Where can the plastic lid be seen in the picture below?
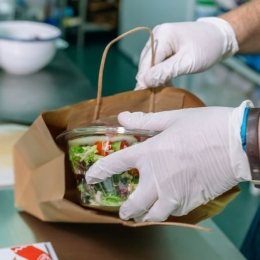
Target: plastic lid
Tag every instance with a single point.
(75, 133)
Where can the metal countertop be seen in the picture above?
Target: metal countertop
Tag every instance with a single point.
(22, 98)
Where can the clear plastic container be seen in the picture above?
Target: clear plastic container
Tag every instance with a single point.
(87, 145)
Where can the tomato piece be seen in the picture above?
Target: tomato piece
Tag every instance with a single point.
(134, 172)
(138, 138)
(103, 147)
(123, 144)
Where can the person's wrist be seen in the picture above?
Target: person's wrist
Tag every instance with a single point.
(252, 144)
(229, 37)
(259, 135)
(244, 128)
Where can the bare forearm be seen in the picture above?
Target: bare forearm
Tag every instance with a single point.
(245, 21)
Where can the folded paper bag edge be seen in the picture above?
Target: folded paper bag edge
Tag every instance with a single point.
(28, 166)
(153, 223)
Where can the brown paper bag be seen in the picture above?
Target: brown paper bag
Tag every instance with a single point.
(44, 184)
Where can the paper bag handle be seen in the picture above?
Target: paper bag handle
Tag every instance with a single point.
(101, 70)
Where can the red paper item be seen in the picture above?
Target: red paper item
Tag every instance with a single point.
(31, 253)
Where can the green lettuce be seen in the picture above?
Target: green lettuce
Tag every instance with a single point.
(112, 200)
(83, 153)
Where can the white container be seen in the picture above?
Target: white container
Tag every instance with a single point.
(26, 47)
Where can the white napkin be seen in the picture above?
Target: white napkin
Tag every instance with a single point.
(9, 134)
(41, 251)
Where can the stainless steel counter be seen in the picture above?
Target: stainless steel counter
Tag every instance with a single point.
(113, 242)
(22, 98)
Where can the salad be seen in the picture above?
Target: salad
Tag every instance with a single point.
(84, 152)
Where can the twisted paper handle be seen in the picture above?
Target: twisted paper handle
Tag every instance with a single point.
(101, 70)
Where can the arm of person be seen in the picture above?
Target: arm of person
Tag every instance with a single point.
(251, 140)
(245, 21)
(192, 47)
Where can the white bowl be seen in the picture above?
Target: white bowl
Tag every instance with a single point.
(26, 47)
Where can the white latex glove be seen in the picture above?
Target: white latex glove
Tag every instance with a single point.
(197, 157)
(183, 48)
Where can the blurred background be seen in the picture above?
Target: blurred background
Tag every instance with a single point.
(88, 26)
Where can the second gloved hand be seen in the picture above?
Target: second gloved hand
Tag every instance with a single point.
(183, 48)
(197, 157)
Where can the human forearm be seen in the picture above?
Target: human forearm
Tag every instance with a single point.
(192, 47)
(252, 143)
(245, 21)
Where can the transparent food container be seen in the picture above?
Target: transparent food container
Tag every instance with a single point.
(87, 145)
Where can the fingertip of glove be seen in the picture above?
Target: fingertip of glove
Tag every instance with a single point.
(95, 175)
(139, 86)
(154, 77)
(131, 120)
(92, 180)
(124, 118)
(130, 210)
(150, 81)
(124, 213)
(141, 219)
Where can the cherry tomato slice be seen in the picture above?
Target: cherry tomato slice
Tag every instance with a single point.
(134, 172)
(103, 147)
(138, 138)
(123, 144)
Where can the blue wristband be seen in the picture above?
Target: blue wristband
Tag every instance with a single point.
(243, 128)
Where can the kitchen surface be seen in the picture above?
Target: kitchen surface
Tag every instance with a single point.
(110, 241)
(59, 84)
(72, 77)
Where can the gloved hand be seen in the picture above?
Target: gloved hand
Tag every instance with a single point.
(197, 157)
(183, 48)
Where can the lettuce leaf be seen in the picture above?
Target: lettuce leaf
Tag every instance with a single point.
(83, 153)
(112, 200)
